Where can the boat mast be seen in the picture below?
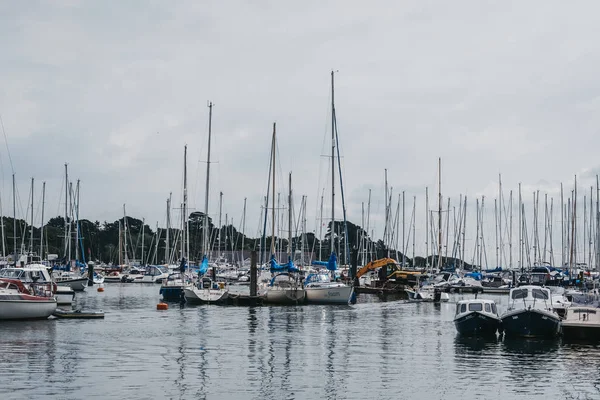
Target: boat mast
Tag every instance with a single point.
(66, 213)
(31, 225)
(220, 223)
(143, 223)
(403, 230)
(414, 224)
(333, 165)
(464, 243)
(185, 245)
(510, 230)
(206, 230)
(243, 229)
(14, 221)
(562, 226)
(321, 231)
(76, 208)
(273, 190)
(290, 250)
(42, 227)
(440, 214)
(167, 238)
(125, 235)
(572, 257)
(520, 230)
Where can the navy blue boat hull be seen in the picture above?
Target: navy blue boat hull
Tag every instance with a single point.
(531, 323)
(477, 324)
(172, 293)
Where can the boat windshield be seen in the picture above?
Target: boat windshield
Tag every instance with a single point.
(539, 294)
(519, 294)
(475, 307)
(494, 310)
(487, 307)
(11, 273)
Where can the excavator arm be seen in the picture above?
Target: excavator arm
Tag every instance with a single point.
(382, 262)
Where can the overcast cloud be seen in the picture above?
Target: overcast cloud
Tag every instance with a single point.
(116, 89)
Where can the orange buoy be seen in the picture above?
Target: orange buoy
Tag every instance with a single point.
(101, 289)
(162, 306)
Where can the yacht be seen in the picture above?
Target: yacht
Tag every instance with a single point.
(320, 289)
(26, 301)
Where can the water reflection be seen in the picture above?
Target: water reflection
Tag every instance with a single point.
(465, 344)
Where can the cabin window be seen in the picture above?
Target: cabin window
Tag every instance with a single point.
(463, 308)
(519, 294)
(487, 307)
(584, 311)
(539, 294)
(458, 309)
(494, 310)
(475, 307)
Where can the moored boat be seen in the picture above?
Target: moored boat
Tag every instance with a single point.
(321, 290)
(477, 317)
(36, 301)
(581, 323)
(530, 313)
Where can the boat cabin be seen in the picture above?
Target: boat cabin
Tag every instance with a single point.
(530, 296)
(26, 274)
(476, 305)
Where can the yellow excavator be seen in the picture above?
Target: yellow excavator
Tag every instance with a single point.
(407, 277)
(382, 262)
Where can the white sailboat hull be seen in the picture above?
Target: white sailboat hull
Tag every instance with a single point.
(26, 309)
(78, 284)
(196, 295)
(276, 295)
(329, 294)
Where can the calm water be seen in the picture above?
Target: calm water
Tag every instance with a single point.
(375, 349)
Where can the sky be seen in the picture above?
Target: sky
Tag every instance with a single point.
(117, 89)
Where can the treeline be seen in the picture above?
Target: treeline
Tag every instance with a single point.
(107, 241)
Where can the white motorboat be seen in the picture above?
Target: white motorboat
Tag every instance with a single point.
(38, 273)
(154, 274)
(581, 323)
(427, 293)
(530, 313)
(36, 301)
(206, 291)
(321, 290)
(66, 278)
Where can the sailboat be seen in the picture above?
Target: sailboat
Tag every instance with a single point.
(284, 286)
(321, 287)
(207, 289)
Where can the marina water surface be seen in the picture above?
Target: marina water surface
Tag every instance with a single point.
(374, 349)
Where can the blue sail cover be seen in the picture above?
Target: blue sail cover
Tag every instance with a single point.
(275, 267)
(331, 264)
(203, 266)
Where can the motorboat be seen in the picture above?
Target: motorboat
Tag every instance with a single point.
(73, 280)
(320, 289)
(530, 313)
(206, 291)
(38, 273)
(477, 317)
(581, 323)
(153, 274)
(18, 301)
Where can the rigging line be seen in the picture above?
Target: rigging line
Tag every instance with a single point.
(12, 167)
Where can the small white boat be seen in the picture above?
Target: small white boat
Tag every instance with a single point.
(427, 293)
(581, 323)
(36, 301)
(66, 278)
(206, 291)
(154, 274)
(321, 290)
